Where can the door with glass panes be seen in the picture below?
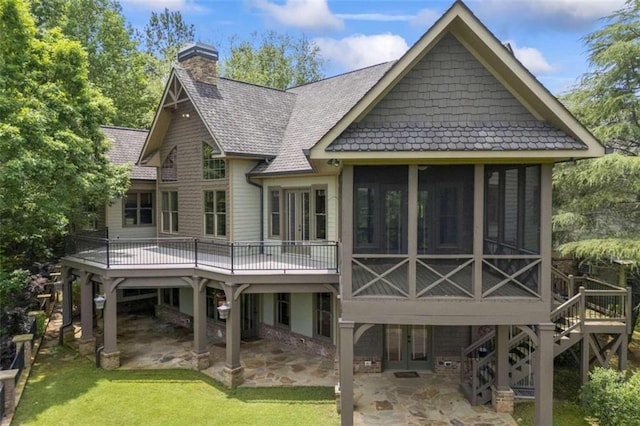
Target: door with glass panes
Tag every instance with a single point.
(298, 229)
(407, 347)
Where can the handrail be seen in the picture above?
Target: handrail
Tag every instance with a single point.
(233, 256)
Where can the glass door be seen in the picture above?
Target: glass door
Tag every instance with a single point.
(249, 316)
(297, 206)
(407, 347)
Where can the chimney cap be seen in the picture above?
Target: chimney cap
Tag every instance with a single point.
(198, 49)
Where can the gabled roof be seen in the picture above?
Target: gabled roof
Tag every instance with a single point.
(459, 21)
(324, 120)
(126, 144)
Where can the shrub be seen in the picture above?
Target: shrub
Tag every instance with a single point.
(612, 398)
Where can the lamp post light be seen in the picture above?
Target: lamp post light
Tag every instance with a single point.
(223, 310)
(99, 301)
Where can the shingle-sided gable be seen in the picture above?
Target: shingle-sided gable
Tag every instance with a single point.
(450, 101)
(126, 144)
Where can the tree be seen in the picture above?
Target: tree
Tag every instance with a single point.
(606, 100)
(162, 38)
(53, 161)
(116, 66)
(273, 60)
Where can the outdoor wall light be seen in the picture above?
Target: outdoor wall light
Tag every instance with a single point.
(99, 301)
(334, 162)
(223, 310)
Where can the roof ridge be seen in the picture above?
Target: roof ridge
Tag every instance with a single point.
(251, 84)
(123, 128)
(341, 75)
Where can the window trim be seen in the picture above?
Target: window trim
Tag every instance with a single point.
(214, 213)
(208, 163)
(173, 213)
(170, 163)
(279, 191)
(316, 317)
(278, 303)
(138, 208)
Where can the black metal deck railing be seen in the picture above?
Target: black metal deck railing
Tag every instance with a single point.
(231, 256)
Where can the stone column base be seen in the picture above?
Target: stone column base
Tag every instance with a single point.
(68, 335)
(233, 377)
(87, 347)
(201, 360)
(110, 361)
(502, 400)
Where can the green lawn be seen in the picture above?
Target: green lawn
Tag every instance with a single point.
(65, 389)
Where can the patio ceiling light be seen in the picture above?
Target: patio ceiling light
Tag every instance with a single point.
(99, 301)
(223, 310)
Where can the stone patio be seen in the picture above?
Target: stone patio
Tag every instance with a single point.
(380, 399)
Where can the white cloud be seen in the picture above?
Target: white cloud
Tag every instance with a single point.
(359, 51)
(155, 5)
(305, 14)
(558, 14)
(425, 18)
(531, 58)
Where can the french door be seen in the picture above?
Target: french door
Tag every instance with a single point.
(407, 347)
(298, 220)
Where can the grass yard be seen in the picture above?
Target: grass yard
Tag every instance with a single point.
(66, 389)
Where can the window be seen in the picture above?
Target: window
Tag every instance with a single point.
(323, 315)
(512, 210)
(283, 302)
(215, 298)
(215, 213)
(138, 209)
(380, 211)
(212, 168)
(170, 212)
(169, 169)
(302, 212)
(274, 212)
(171, 297)
(320, 215)
(445, 209)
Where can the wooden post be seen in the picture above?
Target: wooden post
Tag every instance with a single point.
(572, 286)
(478, 230)
(544, 375)
(346, 372)
(200, 352)
(8, 379)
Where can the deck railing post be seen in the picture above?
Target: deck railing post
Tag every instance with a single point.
(108, 249)
(572, 283)
(583, 304)
(337, 254)
(195, 251)
(629, 308)
(232, 256)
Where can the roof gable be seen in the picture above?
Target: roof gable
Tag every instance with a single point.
(526, 97)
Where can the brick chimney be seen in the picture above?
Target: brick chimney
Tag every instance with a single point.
(201, 61)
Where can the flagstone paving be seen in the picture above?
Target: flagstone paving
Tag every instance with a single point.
(380, 399)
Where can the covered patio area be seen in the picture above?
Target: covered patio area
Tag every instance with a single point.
(380, 399)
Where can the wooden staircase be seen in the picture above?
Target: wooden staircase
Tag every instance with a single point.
(586, 310)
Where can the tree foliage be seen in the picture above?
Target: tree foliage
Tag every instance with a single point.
(273, 60)
(116, 66)
(606, 100)
(612, 397)
(53, 159)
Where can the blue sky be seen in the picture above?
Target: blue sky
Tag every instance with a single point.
(545, 34)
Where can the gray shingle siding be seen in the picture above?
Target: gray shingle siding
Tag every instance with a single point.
(449, 85)
(187, 134)
(450, 102)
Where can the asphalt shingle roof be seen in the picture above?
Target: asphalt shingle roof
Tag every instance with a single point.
(245, 118)
(126, 145)
(454, 136)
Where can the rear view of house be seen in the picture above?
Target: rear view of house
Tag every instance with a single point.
(400, 213)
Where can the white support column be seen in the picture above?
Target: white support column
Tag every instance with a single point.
(412, 228)
(546, 171)
(346, 372)
(233, 372)
(544, 375)
(346, 225)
